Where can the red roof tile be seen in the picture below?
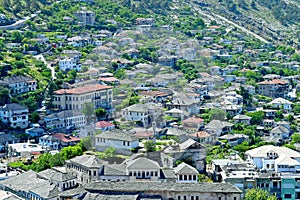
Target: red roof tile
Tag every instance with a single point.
(193, 120)
(82, 90)
(66, 138)
(274, 81)
(200, 134)
(103, 124)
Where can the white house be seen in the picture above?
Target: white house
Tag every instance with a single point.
(274, 158)
(66, 119)
(14, 114)
(281, 103)
(280, 132)
(69, 64)
(122, 141)
(19, 84)
(143, 168)
(186, 173)
(145, 113)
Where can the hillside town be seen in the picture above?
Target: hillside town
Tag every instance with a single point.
(153, 108)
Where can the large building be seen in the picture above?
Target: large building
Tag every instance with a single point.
(74, 99)
(19, 84)
(86, 17)
(14, 114)
(66, 119)
(161, 190)
(273, 88)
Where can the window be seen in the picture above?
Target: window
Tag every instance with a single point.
(287, 196)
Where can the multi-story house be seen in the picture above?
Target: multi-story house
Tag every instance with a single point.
(122, 141)
(66, 119)
(144, 113)
(86, 17)
(192, 124)
(69, 64)
(274, 158)
(87, 168)
(15, 115)
(273, 88)
(19, 84)
(99, 95)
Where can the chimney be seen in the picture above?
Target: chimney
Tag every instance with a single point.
(154, 128)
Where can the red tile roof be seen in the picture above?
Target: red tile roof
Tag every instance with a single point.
(82, 90)
(66, 138)
(200, 134)
(193, 120)
(153, 93)
(108, 79)
(274, 81)
(103, 124)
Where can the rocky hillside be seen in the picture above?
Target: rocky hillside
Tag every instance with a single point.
(276, 20)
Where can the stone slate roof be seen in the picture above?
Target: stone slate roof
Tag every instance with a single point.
(142, 163)
(73, 192)
(46, 191)
(65, 114)
(8, 138)
(24, 182)
(54, 175)
(115, 170)
(117, 135)
(281, 151)
(217, 124)
(90, 161)
(90, 196)
(13, 106)
(161, 187)
(280, 130)
(175, 131)
(169, 174)
(184, 168)
(142, 107)
(242, 117)
(16, 79)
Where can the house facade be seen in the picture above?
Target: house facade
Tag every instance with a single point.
(19, 84)
(144, 113)
(273, 88)
(15, 115)
(74, 99)
(66, 119)
(122, 141)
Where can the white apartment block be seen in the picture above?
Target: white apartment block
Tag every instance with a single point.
(74, 99)
(86, 17)
(19, 84)
(69, 64)
(14, 114)
(66, 119)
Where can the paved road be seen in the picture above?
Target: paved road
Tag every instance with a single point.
(19, 23)
(42, 58)
(214, 16)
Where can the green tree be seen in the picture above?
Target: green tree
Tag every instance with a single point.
(149, 146)
(89, 111)
(100, 112)
(259, 194)
(16, 36)
(4, 95)
(107, 153)
(217, 114)
(257, 117)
